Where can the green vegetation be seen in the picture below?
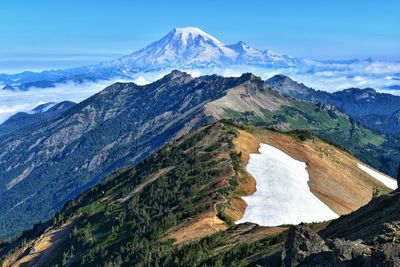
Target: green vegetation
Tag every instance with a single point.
(123, 221)
(218, 250)
(378, 150)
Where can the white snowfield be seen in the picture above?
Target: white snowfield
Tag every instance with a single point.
(283, 195)
(386, 180)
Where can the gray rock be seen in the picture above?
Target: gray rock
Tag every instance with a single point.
(304, 247)
(350, 253)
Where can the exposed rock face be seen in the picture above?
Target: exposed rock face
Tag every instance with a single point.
(357, 239)
(302, 245)
(349, 252)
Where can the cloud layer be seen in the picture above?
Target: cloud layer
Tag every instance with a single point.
(12, 102)
(328, 77)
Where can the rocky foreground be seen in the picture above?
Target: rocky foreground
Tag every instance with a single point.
(367, 237)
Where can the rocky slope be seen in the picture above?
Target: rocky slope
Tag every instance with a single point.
(44, 165)
(179, 206)
(367, 237)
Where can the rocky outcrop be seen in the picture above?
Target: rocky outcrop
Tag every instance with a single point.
(367, 237)
(304, 245)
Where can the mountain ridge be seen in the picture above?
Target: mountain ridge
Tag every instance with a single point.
(51, 162)
(374, 110)
(182, 201)
(36, 115)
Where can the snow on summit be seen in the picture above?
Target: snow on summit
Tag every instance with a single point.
(191, 33)
(283, 195)
(181, 47)
(191, 47)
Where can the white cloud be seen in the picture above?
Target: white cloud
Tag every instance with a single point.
(327, 77)
(15, 101)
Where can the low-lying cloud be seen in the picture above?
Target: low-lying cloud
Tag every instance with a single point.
(321, 76)
(12, 102)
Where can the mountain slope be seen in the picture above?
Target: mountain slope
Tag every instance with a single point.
(50, 162)
(176, 206)
(38, 114)
(44, 165)
(374, 110)
(382, 123)
(260, 106)
(333, 173)
(187, 182)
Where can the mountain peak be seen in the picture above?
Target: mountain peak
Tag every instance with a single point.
(191, 47)
(43, 107)
(240, 44)
(288, 87)
(280, 78)
(175, 74)
(248, 76)
(190, 34)
(354, 90)
(190, 30)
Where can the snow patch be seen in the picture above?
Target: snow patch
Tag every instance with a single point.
(283, 195)
(386, 180)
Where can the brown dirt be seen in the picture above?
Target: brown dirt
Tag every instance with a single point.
(334, 176)
(41, 251)
(241, 99)
(197, 228)
(235, 208)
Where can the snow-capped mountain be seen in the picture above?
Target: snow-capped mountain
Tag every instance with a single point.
(192, 47)
(253, 56)
(181, 48)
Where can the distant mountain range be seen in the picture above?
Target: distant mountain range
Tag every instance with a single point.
(40, 113)
(191, 48)
(45, 164)
(378, 111)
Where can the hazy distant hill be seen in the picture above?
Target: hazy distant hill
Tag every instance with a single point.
(38, 114)
(378, 111)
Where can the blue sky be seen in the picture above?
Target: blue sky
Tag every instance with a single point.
(44, 34)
